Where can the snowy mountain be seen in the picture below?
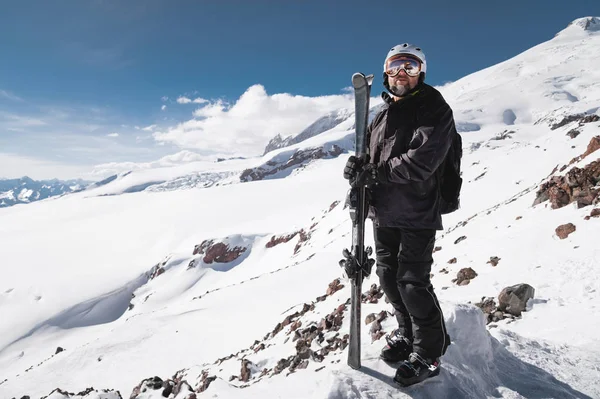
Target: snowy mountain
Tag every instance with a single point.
(26, 190)
(321, 125)
(233, 290)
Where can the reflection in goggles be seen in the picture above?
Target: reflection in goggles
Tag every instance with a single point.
(411, 66)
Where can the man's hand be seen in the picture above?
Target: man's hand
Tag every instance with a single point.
(359, 172)
(352, 167)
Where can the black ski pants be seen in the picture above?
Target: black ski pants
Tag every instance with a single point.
(404, 259)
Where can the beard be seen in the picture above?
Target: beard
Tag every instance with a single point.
(400, 90)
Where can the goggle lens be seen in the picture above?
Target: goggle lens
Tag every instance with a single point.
(411, 66)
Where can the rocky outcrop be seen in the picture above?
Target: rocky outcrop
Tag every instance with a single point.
(512, 301)
(373, 295)
(168, 389)
(580, 118)
(219, 252)
(276, 240)
(299, 157)
(490, 310)
(321, 125)
(334, 287)
(90, 393)
(564, 230)
(578, 185)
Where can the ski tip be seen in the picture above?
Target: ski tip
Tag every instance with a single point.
(360, 80)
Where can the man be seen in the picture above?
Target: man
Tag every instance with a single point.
(408, 141)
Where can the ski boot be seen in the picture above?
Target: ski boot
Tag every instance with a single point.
(416, 369)
(397, 349)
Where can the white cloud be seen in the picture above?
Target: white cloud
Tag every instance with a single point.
(179, 158)
(113, 135)
(18, 121)
(163, 107)
(15, 166)
(10, 96)
(187, 100)
(245, 127)
(149, 128)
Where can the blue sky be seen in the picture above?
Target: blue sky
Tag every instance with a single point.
(80, 80)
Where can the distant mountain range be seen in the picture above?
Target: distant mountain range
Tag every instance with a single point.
(26, 190)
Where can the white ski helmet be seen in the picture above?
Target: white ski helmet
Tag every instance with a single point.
(409, 49)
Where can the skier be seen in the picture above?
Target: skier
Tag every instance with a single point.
(408, 141)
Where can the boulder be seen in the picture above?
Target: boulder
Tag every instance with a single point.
(464, 276)
(564, 230)
(514, 299)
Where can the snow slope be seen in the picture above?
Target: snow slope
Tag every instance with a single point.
(125, 283)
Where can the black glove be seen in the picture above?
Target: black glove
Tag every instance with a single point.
(352, 166)
(366, 176)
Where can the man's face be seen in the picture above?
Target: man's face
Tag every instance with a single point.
(401, 83)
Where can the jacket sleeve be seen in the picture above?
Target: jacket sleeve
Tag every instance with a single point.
(428, 148)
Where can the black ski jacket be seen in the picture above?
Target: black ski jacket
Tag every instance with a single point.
(408, 140)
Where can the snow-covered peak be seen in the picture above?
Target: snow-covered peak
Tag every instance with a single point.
(556, 77)
(580, 26)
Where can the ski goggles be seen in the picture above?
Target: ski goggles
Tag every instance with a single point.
(411, 66)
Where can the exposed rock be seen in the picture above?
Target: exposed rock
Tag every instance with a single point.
(578, 185)
(87, 393)
(514, 299)
(373, 295)
(464, 276)
(376, 331)
(154, 383)
(205, 381)
(299, 157)
(259, 347)
(487, 305)
(452, 261)
(593, 146)
(459, 239)
(282, 365)
(156, 271)
(573, 133)
(245, 372)
(493, 260)
(370, 318)
(594, 213)
(333, 205)
(58, 350)
(304, 237)
(564, 230)
(276, 240)
(218, 252)
(507, 134)
(581, 118)
(437, 249)
(444, 271)
(334, 287)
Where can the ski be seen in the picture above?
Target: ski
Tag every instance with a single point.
(356, 263)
